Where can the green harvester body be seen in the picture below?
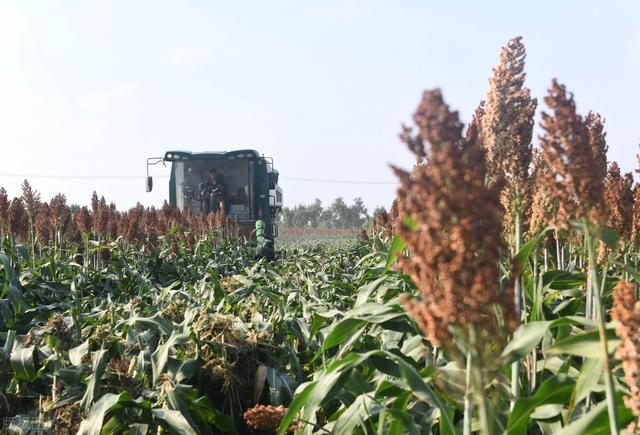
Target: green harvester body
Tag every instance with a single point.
(252, 195)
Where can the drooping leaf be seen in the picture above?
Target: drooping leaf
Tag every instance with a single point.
(77, 353)
(23, 362)
(92, 425)
(155, 322)
(160, 357)
(100, 359)
(175, 420)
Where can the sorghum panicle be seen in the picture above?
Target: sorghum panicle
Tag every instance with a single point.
(576, 188)
(455, 250)
(60, 213)
(381, 223)
(598, 143)
(635, 219)
(84, 220)
(44, 229)
(626, 312)
(265, 417)
(543, 207)
(17, 219)
(507, 122)
(31, 200)
(4, 207)
(618, 200)
(102, 218)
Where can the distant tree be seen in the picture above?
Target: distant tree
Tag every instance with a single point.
(337, 215)
(315, 213)
(358, 213)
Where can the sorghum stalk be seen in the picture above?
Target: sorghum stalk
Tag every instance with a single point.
(468, 408)
(589, 297)
(596, 291)
(515, 367)
(534, 354)
(478, 387)
(558, 255)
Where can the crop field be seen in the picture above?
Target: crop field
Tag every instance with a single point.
(498, 294)
(294, 236)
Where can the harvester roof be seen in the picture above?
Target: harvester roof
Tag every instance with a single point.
(179, 156)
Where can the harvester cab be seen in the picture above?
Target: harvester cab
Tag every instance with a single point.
(242, 184)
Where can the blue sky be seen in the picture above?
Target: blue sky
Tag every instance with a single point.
(94, 87)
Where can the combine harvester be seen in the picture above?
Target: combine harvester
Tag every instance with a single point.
(242, 184)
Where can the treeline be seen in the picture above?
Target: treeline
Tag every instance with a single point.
(337, 215)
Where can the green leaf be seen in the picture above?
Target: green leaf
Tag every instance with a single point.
(161, 355)
(396, 248)
(339, 333)
(524, 340)
(547, 412)
(178, 400)
(23, 362)
(203, 409)
(259, 381)
(92, 425)
(585, 345)
(100, 359)
(9, 271)
(376, 313)
(528, 336)
(590, 374)
(555, 390)
(366, 313)
(138, 429)
(175, 419)
(363, 408)
(186, 370)
(17, 299)
(281, 386)
(366, 290)
(608, 235)
(299, 400)
(596, 421)
(401, 422)
(155, 323)
(527, 248)
(70, 375)
(8, 344)
(423, 392)
(410, 223)
(77, 353)
(563, 280)
(311, 395)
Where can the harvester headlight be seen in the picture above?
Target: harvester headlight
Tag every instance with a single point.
(173, 156)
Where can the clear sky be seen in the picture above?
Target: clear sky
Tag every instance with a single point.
(93, 87)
